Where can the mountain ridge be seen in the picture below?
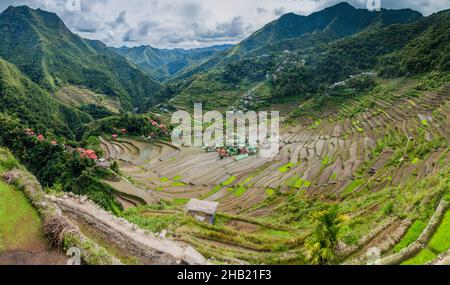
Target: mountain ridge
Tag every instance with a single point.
(337, 21)
(162, 64)
(52, 56)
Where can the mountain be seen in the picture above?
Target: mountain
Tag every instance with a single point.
(396, 50)
(162, 64)
(24, 99)
(332, 23)
(430, 51)
(44, 49)
(339, 20)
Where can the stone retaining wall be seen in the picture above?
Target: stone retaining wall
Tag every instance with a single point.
(423, 239)
(148, 247)
(60, 232)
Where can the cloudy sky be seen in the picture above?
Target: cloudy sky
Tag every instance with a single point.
(187, 23)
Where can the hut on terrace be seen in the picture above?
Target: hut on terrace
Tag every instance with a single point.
(203, 211)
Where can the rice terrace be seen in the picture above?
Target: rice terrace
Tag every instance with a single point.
(358, 128)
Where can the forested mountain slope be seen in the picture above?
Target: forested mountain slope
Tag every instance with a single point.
(163, 64)
(22, 98)
(42, 47)
(332, 23)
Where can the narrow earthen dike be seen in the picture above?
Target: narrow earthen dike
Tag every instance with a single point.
(139, 243)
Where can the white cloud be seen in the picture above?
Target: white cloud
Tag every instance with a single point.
(188, 23)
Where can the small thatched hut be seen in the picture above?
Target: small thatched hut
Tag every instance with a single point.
(204, 211)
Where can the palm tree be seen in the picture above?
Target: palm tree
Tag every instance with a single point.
(321, 243)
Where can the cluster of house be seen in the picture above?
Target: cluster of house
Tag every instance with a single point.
(238, 152)
(344, 83)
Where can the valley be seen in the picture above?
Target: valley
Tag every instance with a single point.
(361, 176)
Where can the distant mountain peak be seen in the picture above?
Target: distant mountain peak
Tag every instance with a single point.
(35, 16)
(27, 9)
(344, 4)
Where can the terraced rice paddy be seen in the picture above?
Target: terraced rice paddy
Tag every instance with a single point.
(340, 156)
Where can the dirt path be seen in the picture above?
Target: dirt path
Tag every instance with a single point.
(127, 236)
(32, 258)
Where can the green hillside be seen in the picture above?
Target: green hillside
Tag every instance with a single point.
(22, 98)
(42, 47)
(301, 67)
(332, 23)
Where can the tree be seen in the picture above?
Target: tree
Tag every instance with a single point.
(321, 243)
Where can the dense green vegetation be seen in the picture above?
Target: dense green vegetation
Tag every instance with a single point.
(40, 111)
(130, 124)
(300, 64)
(335, 22)
(20, 225)
(96, 111)
(59, 166)
(411, 236)
(321, 243)
(41, 46)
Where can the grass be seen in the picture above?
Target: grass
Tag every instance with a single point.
(154, 223)
(230, 180)
(440, 242)
(212, 192)
(180, 201)
(164, 179)
(412, 235)
(271, 192)
(239, 191)
(352, 186)
(298, 183)
(425, 256)
(277, 233)
(20, 225)
(326, 161)
(315, 125)
(286, 168)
